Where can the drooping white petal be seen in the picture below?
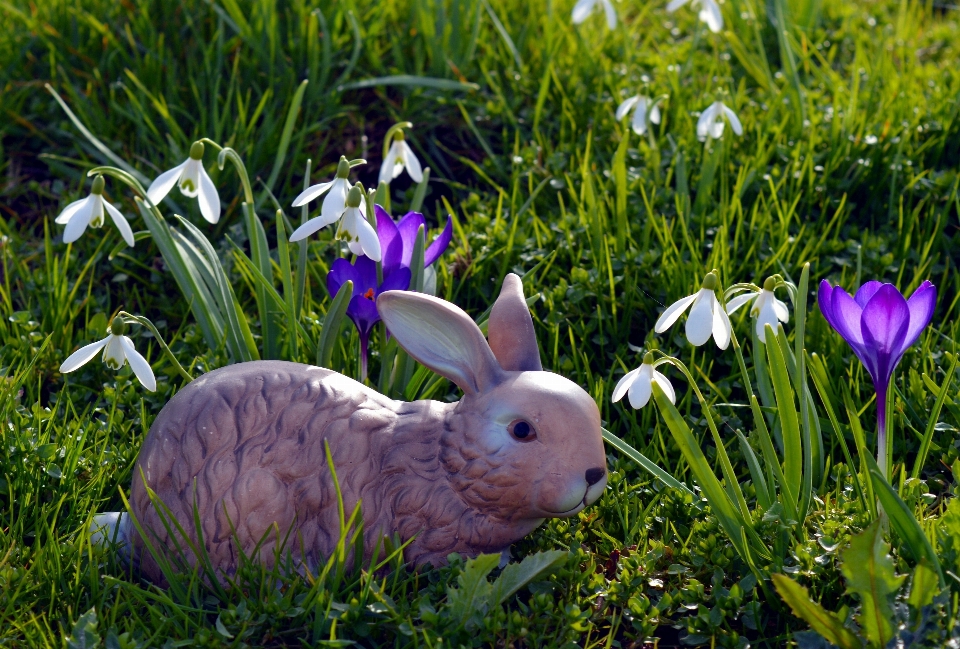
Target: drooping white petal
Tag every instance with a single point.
(70, 210)
(700, 319)
(673, 312)
(740, 300)
(335, 202)
(722, 331)
(707, 117)
(716, 129)
(710, 14)
(781, 310)
(610, 13)
(766, 315)
(665, 385)
(625, 106)
(640, 117)
(581, 10)
(642, 387)
(655, 114)
(368, 239)
(208, 197)
(673, 5)
(411, 162)
(624, 384)
(82, 356)
(734, 120)
(80, 220)
(312, 192)
(121, 222)
(113, 354)
(307, 229)
(139, 364)
(388, 168)
(163, 183)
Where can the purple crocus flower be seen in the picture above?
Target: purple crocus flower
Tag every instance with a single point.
(398, 239)
(362, 308)
(879, 325)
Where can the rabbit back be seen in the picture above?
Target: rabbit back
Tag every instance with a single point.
(246, 443)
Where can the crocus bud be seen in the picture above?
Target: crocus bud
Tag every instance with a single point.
(196, 150)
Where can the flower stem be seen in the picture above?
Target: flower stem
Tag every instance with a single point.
(364, 343)
(882, 452)
(145, 322)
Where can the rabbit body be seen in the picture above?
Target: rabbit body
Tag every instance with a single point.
(244, 447)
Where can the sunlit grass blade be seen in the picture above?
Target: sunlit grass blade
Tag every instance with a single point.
(331, 323)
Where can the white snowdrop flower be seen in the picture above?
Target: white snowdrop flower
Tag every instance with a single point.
(400, 157)
(117, 350)
(706, 317)
(767, 309)
(645, 111)
(584, 8)
(333, 206)
(711, 122)
(709, 12)
(361, 237)
(89, 211)
(870, 140)
(194, 182)
(638, 384)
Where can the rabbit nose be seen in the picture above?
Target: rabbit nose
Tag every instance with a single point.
(594, 475)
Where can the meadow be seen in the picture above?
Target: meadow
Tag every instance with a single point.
(727, 515)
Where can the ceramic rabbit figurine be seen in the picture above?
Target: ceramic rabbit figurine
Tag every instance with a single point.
(246, 443)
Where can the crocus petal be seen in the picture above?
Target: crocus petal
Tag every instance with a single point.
(700, 319)
(710, 14)
(79, 221)
(139, 365)
(921, 304)
(408, 227)
(825, 300)
(625, 106)
(665, 385)
(722, 330)
(673, 312)
(335, 203)
(642, 387)
(363, 312)
(208, 197)
(82, 356)
(121, 222)
(734, 120)
(342, 271)
(624, 384)
(581, 10)
(673, 5)
(640, 117)
(846, 317)
(70, 210)
(189, 182)
(866, 292)
(163, 183)
(311, 193)
(391, 245)
(435, 249)
(884, 325)
(611, 14)
(411, 162)
(740, 300)
(307, 229)
(398, 280)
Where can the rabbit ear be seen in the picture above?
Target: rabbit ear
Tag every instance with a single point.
(442, 337)
(510, 330)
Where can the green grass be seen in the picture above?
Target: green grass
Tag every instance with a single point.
(517, 126)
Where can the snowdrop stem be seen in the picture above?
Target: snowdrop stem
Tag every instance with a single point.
(120, 175)
(226, 153)
(145, 322)
(388, 138)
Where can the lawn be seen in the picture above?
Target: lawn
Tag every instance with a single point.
(749, 512)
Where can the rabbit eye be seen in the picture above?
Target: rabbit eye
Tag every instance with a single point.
(522, 430)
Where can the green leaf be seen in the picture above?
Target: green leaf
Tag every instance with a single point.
(646, 463)
(471, 600)
(409, 80)
(869, 573)
(787, 413)
(84, 635)
(287, 133)
(932, 419)
(517, 575)
(924, 585)
(331, 323)
(820, 620)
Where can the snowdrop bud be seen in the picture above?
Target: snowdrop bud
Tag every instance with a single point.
(355, 197)
(118, 327)
(98, 184)
(710, 281)
(343, 167)
(196, 150)
(770, 283)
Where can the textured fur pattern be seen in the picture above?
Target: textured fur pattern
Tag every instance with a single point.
(251, 437)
